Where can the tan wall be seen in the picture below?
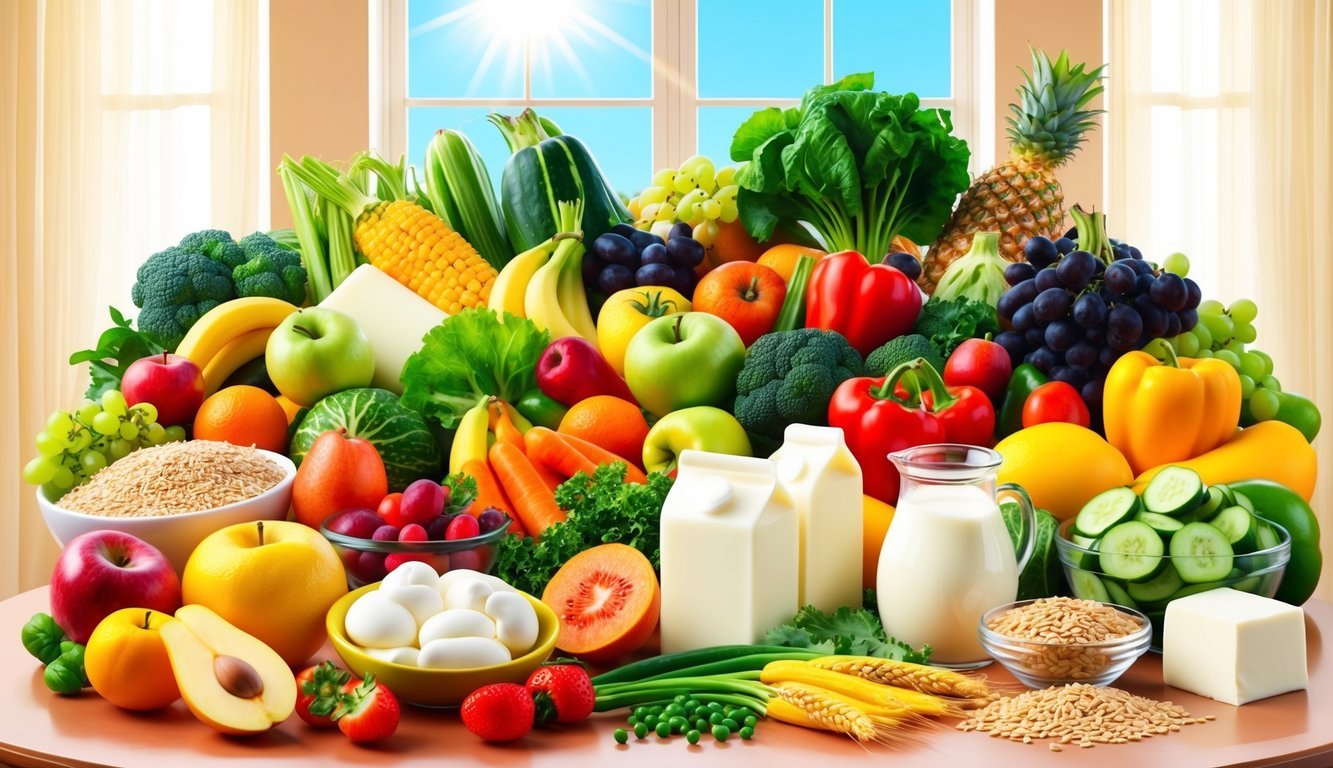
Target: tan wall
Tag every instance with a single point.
(1072, 25)
(319, 84)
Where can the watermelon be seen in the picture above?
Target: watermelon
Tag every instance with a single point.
(404, 442)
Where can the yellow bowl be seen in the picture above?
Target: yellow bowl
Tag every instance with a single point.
(438, 687)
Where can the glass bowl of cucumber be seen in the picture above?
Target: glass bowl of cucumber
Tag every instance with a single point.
(1177, 538)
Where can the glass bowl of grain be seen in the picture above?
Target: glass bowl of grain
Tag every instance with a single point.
(1059, 640)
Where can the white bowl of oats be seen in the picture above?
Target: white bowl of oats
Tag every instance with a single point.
(173, 495)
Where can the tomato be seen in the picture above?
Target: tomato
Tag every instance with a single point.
(979, 363)
(748, 296)
(1055, 401)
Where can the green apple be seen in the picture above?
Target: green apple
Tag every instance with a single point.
(684, 360)
(702, 428)
(318, 351)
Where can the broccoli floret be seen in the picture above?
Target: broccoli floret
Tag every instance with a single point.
(216, 245)
(903, 349)
(789, 378)
(174, 288)
(269, 270)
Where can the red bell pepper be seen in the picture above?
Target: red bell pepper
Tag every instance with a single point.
(879, 417)
(868, 304)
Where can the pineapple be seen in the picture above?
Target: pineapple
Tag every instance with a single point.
(1021, 198)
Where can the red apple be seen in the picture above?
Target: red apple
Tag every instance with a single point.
(100, 572)
(173, 384)
(571, 370)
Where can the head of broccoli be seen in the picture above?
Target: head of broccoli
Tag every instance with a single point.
(174, 288)
(216, 245)
(269, 270)
(789, 377)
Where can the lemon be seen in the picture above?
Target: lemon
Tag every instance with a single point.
(629, 310)
(1061, 466)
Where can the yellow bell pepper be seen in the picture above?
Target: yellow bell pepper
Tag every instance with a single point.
(1159, 412)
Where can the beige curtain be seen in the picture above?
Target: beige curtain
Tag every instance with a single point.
(124, 124)
(1220, 147)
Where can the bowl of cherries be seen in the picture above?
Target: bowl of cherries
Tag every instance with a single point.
(420, 524)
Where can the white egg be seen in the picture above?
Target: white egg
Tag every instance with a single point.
(462, 653)
(405, 655)
(422, 600)
(411, 572)
(468, 593)
(515, 621)
(449, 578)
(375, 621)
(456, 622)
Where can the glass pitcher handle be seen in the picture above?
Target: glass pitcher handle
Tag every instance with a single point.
(1028, 537)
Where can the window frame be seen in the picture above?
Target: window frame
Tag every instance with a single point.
(674, 102)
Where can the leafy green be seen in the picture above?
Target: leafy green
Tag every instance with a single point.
(601, 509)
(948, 323)
(42, 637)
(1043, 576)
(66, 674)
(117, 347)
(846, 631)
(462, 492)
(978, 275)
(860, 166)
(471, 355)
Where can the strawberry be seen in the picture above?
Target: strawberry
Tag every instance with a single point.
(317, 688)
(500, 712)
(366, 711)
(562, 692)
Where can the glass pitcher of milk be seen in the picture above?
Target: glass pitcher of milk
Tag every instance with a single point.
(948, 557)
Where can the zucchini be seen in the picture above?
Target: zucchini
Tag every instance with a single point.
(1174, 491)
(1200, 553)
(1133, 552)
(544, 169)
(1105, 511)
(459, 189)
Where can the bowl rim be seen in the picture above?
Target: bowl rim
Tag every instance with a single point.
(434, 547)
(340, 637)
(283, 485)
(990, 636)
(1067, 548)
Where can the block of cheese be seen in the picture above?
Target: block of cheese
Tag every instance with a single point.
(393, 316)
(1234, 646)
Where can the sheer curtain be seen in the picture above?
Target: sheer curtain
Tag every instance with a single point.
(1220, 147)
(124, 124)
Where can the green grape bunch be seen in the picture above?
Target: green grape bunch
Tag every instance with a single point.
(75, 445)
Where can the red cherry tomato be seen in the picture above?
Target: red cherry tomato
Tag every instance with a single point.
(390, 510)
(1055, 401)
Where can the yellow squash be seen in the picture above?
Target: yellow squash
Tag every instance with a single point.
(1269, 450)
(1162, 412)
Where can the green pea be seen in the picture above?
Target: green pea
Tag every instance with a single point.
(731, 724)
(751, 721)
(692, 736)
(632, 721)
(655, 710)
(672, 710)
(716, 718)
(714, 706)
(663, 729)
(721, 732)
(680, 698)
(621, 735)
(641, 730)
(701, 723)
(747, 733)
(679, 724)
(640, 712)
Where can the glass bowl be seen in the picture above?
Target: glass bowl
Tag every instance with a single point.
(367, 561)
(1257, 572)
(1041, 664)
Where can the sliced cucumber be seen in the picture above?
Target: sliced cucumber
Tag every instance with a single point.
(1266, 537)
(1213, 502)
(1118, 594)
(1132, 551)
(1200, 553)
(1163, 524)
(1207, 586)
(1228, 495)
(1244, 501)
(1106, 510)
(1174, 491)
(1239, 526)
(1087, 586)
(1086, 560)
(1159, 588)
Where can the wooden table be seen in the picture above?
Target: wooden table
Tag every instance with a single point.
(38, 728)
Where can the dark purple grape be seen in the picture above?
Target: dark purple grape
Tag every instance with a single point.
(1062, 334)
(612, 248)
(1188, 319)
(1024, 319)
(624, 230)
(1082, 355)
(1092, 393)
(1139, 267)
(1119, 343)
(685, 280)
(1125, 322)
(1170, 292)
(1018, 272)
(1172, 325)
(642, 239)
(1106, 356)
(905, 263)
(680, 229)
(1065, 244)
(1076, 269)
(1119, 278)
(1090, 310)
(1144, 282)
(655, 254)
(1069, 375)
(685, 251)
(1193, 294)
(1134, 253)
(1014, 344)
(656, 274)
(1015, 297)
(1034, 337)
(1154, 317)
(615, 277)
(1047, 278)
(1052, 303)
(1095, 335)
(490, 519)
(592, 267)
(1044, 358)
(1120, 252)
(1072, 233)
(1040, 251)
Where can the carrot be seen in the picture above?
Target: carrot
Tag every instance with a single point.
(551, 478)
(599, 455)
(503, 426)
(489, 492)
(549, 448)
(534, 504)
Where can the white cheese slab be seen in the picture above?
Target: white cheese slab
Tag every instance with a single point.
(393, 317)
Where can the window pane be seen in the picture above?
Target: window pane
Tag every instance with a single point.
(906, 43)
(423, 122)
(753, 49)
(716, 127)
(462, 48)
(599, 49)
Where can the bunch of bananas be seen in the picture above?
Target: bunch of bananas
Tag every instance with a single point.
(230, 335)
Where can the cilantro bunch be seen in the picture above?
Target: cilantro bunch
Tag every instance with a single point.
(845, 632)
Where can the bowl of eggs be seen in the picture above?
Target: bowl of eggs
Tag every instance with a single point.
(432, 639)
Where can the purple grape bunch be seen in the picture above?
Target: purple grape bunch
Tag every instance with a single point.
(627, 257)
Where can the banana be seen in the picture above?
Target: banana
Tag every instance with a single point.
(235, 353)
(228, 320)
(574, 299)
(509, 288)
(541, 301)
(471, 440)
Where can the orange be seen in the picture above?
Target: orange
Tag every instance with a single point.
(126, 662)
(876, 516)
(782, 258)
(243, 415)
(610, 423)
(288, 407)
(608, 601)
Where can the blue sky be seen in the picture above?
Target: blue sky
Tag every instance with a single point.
(471, 49)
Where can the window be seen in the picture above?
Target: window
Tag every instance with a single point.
(647, 83)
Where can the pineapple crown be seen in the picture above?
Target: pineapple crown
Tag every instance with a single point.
(1049, 121)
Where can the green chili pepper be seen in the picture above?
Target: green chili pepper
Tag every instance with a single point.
(42, 637)
(1025, 378)
(541, 410)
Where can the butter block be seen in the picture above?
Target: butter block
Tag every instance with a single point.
(392, 315)
(1234, 646)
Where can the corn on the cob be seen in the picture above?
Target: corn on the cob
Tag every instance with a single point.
(887, 699)
(904, 674)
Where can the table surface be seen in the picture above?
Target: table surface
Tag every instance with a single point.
(38, 728)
